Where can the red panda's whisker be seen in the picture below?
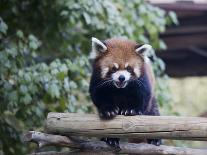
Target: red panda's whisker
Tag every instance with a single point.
(104, 83)
(140, 83)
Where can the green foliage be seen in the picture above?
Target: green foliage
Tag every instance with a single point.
(44, 50)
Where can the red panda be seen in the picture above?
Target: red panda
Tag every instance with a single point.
(122, 81)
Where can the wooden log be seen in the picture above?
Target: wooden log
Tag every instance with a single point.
(99, 147)
(165, 127)
(176, 42)
(71, 153)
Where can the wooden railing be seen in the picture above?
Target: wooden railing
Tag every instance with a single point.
(64, 129)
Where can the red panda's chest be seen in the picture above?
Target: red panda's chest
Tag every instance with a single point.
(133, 94)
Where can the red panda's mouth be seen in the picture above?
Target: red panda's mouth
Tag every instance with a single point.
(120, 84)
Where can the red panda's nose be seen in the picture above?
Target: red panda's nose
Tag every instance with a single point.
(121, 78)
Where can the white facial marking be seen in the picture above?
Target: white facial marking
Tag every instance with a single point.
(116, 65)
(126, 65)
(137, 72)
(115, 76)
(104, 71)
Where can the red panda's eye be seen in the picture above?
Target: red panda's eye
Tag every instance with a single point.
(114, 69)
(129, 69)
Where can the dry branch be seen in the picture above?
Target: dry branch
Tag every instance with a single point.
(101, 148)
(71, 153)
(165, 127)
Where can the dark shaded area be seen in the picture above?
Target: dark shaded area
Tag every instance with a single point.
(187, 43)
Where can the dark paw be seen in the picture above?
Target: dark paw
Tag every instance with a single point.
(140, 113)
(156, 142)
(113, 142)
(108, 113)
(129, 112)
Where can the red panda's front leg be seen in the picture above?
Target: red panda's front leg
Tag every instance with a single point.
(105, 106)
(107, 110)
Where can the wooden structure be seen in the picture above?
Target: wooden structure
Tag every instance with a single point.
(61, 129)
(187, 42)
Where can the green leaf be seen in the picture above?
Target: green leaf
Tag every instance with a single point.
(162, 45)
(61, 75)
(33, 45)
(173, 17)
(3, 26)
(87, 18)
(73, 85)
(33, 42)
(27, 98)
(23, 89)
(20, 34)
(54, 90)
(64, 13)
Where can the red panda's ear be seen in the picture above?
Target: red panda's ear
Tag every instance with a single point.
(97, 48)
(143, 49)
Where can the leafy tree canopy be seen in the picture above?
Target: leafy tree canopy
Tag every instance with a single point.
(44, 48)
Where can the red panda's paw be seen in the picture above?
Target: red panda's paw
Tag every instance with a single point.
(156, 142)
(108, 113)
(140, 113)
(129, 112)
(113, 142)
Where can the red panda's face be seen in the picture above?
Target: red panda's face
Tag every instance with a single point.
(121, 68)
(119, 62)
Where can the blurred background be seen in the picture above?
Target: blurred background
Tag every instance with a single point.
(186, 56)
(44, 64)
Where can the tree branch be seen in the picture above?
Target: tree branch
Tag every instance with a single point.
(71, 153)
(99, 147)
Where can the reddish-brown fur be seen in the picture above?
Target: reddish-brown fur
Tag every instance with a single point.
(121, 52)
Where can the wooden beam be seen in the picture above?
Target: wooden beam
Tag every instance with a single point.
(185, 30)
(182, 6)
(91, 147)
(165, 127)
(71, 153)
(185, 62)
(182, 41)
(186, 68)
